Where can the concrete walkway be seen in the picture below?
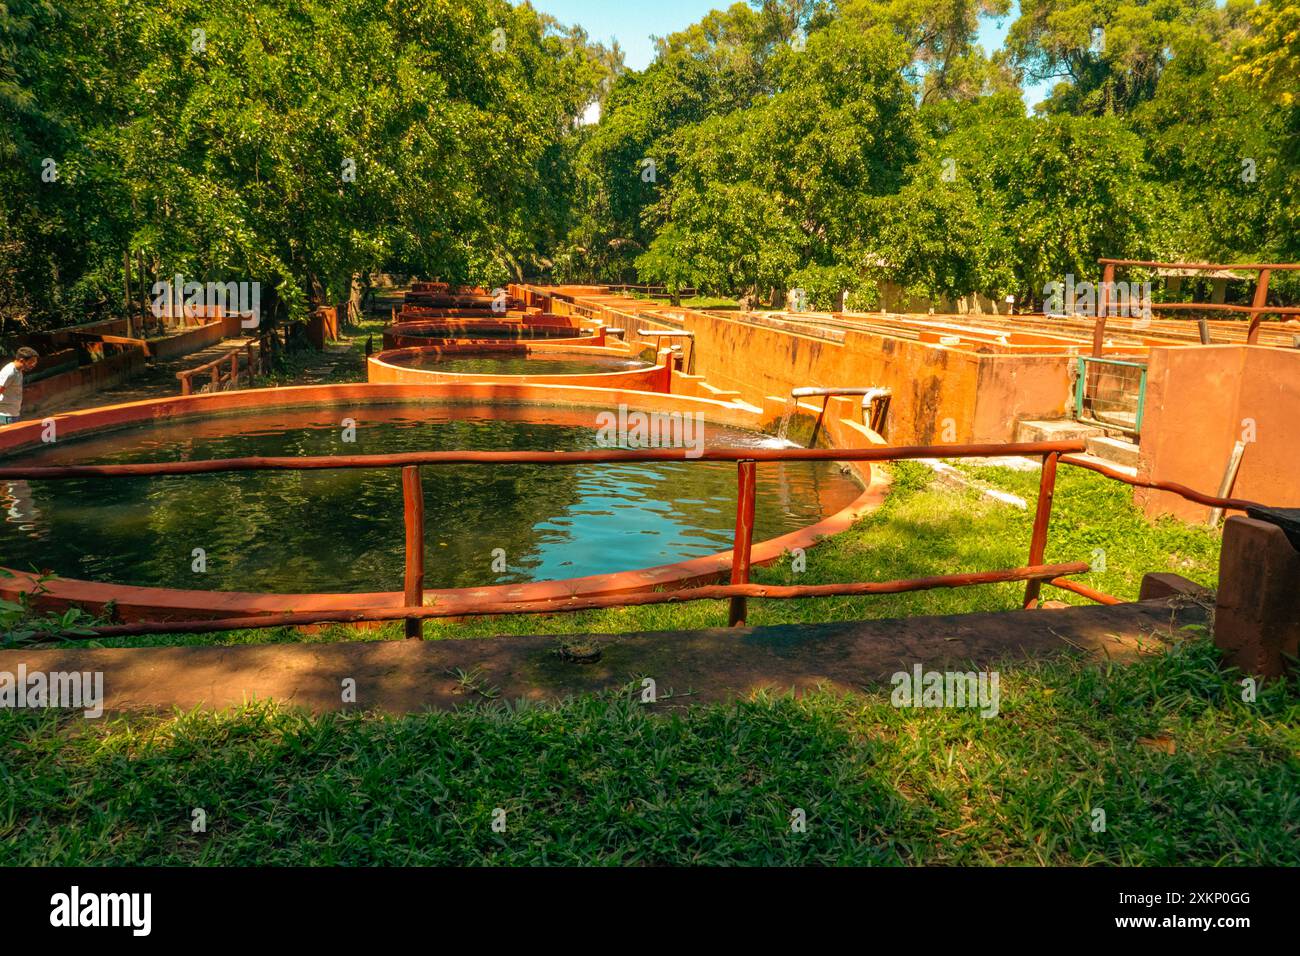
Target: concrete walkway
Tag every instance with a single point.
(693, 666)
(340, 362)
(158, 380)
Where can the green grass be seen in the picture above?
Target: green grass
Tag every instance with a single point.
(600, 780)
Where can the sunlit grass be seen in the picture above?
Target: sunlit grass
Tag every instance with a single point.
(601, 780)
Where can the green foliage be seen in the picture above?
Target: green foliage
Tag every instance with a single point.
(785, 184)
(21, 623)
(1110, 54)
(217, 140)
(782, 165)
(1010, 205)
(794, 142)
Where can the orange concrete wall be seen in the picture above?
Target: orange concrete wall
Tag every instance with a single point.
(191, 340)
(82, 381)
(1197, 399)
(1010, 389)
(981, 396)
(380, 370)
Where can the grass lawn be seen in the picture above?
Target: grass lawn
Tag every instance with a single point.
(598, 780)
(1184, 770)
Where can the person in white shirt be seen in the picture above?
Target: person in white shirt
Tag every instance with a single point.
(11, 384)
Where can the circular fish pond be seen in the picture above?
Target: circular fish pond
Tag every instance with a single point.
(334, 538)
(507, 363)
(436, 332)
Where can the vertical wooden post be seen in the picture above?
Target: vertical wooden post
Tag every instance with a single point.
(126, 278)
(413, 511)
(1260, 300)
(746, 472)
(234, 370)
(185, 384)
(1103, 306)
(216, 378)
(1043, 515)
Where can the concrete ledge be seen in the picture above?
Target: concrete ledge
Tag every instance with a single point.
(1160, 585)
(1257, 618)
(696, 666)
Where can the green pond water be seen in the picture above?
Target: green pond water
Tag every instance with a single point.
(523, 364)
(342, 530)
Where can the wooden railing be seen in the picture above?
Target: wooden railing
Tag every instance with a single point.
(221, 373)
(1258, 308)
(414, 611)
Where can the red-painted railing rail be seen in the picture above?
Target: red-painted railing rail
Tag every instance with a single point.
(414, 611)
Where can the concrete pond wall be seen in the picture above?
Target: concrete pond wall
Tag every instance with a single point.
(940, 392)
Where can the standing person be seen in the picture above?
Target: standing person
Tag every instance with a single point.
(11, 384)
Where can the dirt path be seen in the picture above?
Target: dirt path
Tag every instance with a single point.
(687, 666)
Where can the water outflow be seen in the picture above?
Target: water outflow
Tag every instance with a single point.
(783, 430)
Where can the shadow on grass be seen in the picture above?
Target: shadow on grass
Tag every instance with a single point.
(600, 780)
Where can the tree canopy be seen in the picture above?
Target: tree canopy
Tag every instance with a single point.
(297, 144)
(874, 141)
(832, 146)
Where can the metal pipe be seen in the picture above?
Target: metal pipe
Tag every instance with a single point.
(869, 394)
(818, 392)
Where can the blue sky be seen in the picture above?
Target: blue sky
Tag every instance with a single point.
(633, 24)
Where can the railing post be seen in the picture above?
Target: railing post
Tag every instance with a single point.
(1260, 300)
(413, 512)
(234, 370)
(746, 472)
(1043, 515)
(216, 378)
(1103, 306)
(185, 384)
